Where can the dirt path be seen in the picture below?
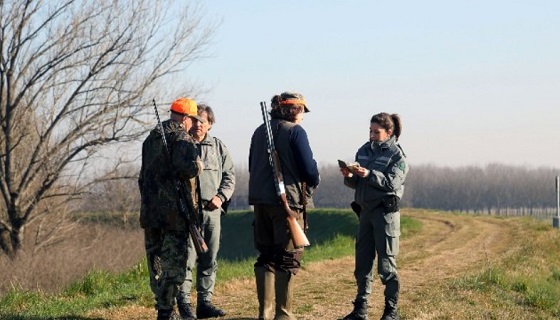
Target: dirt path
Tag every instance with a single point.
(448, 246)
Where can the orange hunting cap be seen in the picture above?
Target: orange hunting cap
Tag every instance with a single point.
(186, 107)
(291, 98)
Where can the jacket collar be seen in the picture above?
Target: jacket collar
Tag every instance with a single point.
(383, 145)
(207, 140)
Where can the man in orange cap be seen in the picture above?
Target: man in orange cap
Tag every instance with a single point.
(165, 232)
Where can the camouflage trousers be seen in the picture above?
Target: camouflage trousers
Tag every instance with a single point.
(166, 253)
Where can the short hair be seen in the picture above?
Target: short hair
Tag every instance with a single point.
(209, 112)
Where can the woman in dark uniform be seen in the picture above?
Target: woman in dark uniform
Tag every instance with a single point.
(379, 184)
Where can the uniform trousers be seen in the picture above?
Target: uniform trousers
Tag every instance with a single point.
(378, 235)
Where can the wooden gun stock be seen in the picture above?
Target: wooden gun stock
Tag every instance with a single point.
(198, 241)
(298, 235)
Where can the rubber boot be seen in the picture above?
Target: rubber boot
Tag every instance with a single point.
(265, 292)
(283, 286)
(359, 312)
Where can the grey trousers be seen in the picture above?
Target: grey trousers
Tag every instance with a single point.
(206, 263)
(378, 235)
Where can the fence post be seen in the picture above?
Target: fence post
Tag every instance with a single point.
(556, 220)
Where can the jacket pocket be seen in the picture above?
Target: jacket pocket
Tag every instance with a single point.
(392, 232)
(211, 163)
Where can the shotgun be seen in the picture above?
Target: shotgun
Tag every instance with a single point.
(298, 236)
(184, 199)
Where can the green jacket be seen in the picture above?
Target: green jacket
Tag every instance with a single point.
(158, 195)
(218, 176)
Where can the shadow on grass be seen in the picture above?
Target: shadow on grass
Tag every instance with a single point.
(324, 224)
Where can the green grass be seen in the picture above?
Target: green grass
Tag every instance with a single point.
(529, 276)
(331, 234)
(97, 289)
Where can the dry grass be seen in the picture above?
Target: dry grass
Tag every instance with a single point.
(436, 267)
(90, 246)
(450, 247)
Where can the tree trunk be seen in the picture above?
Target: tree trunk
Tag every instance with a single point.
(10, 242)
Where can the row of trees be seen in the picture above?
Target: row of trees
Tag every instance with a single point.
(496, 188)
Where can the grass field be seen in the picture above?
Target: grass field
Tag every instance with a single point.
(519, 275)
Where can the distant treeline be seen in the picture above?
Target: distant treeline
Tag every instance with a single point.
(493, 189)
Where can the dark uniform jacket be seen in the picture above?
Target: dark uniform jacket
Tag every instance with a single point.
(296, 158)
(388, 168)
(158, 195)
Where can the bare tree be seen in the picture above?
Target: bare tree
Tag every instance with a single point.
(75, 77)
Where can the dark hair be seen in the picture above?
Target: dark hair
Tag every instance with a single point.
(209, 112)
(286, 112)
(389, 122)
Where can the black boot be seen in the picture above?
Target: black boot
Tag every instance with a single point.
(206, 309)
(166, 315)
(390, 312)
(359, 312)
(185, 310)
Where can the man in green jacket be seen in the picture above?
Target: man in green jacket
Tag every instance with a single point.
(216, 183)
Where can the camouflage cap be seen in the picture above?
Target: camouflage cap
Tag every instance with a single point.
(287, 98)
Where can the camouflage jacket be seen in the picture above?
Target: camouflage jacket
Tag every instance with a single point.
(158, 195)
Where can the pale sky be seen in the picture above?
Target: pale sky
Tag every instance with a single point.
(475, 82)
